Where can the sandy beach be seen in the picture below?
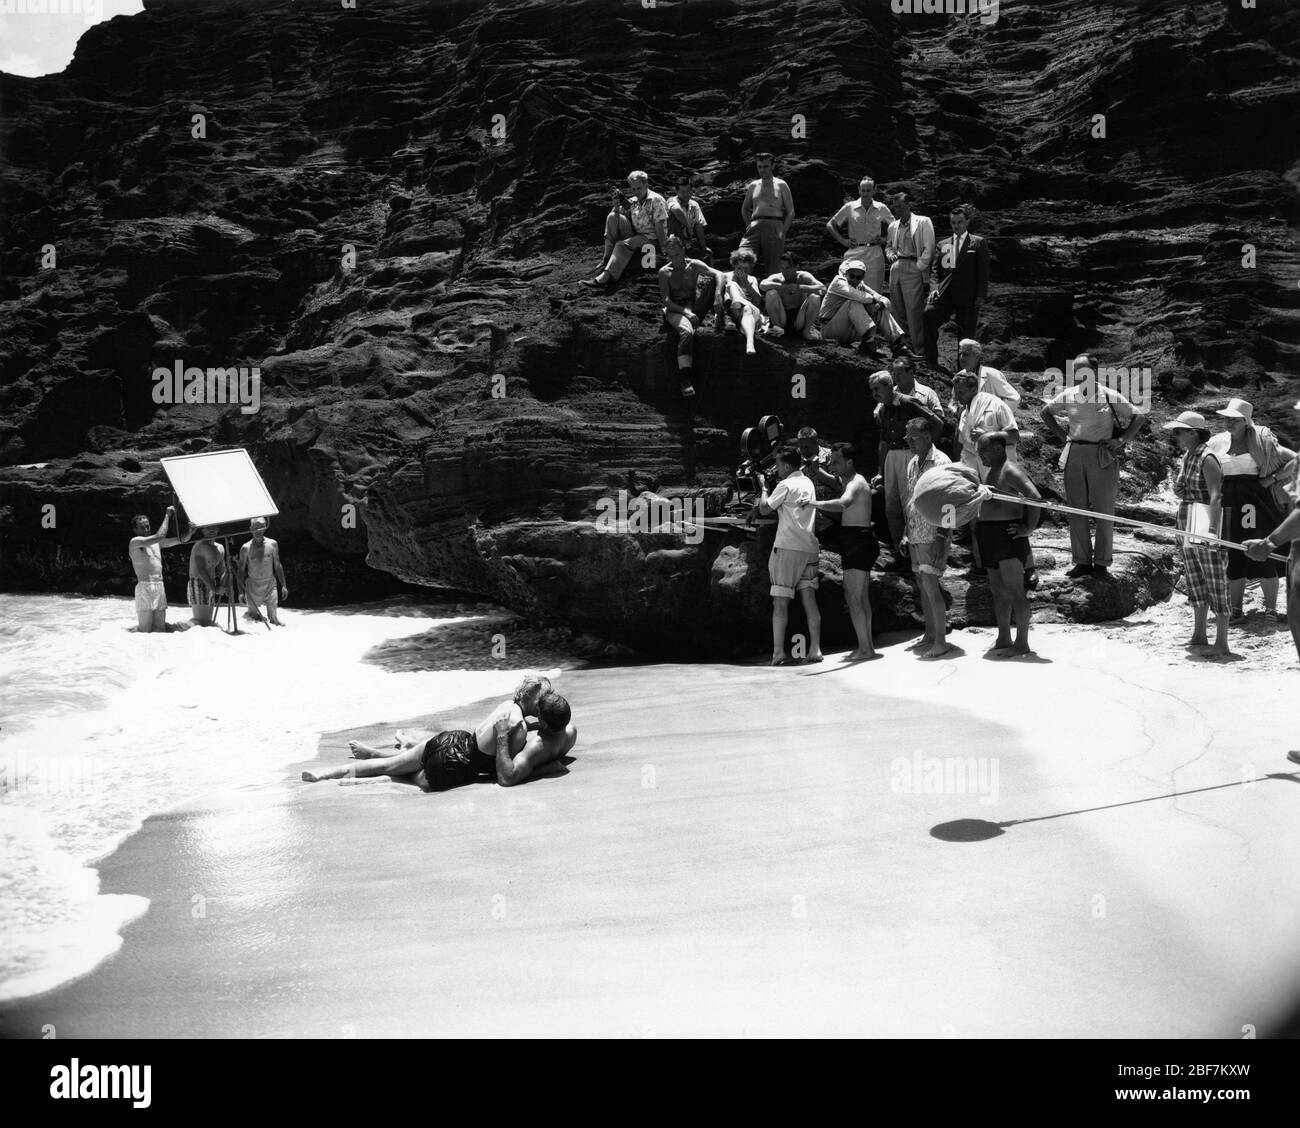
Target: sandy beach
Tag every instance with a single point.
(736, 850)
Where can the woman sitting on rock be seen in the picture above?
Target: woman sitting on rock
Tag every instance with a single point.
(744, 302)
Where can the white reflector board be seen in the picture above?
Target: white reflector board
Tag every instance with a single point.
(219, 487)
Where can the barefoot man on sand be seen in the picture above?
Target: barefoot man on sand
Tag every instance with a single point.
(516, 740)
(1002, 534)
(260, 575)
(145, 551)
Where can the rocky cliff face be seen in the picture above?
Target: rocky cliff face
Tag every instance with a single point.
(389, 208)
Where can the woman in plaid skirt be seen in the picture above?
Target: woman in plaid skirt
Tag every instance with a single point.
(1205, 567)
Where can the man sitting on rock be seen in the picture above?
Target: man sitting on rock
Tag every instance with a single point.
(853, 312)
(626, 232)
(686, 217)
(792, 299)
(688, 287)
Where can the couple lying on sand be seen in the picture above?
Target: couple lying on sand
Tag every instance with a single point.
(517, 739)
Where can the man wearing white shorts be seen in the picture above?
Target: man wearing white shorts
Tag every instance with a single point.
(792, 565)
(145, 550)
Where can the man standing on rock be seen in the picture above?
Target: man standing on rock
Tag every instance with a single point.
(793, 563)
(647, 212)
(767, 212)
(910, 251)
(1089, 459)
(959, 282)
(260, 575)
(688, 287)
(865, 223)
(207, 568)
(145, 551)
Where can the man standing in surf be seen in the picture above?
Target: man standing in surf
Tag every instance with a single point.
(145, 550)
(260, 575)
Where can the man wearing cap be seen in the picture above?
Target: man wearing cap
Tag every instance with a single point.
(865, 224)
(1092, 411)
(792, 299)
(852, 311)
(970, 358)
(910, 250)
(648, 214)
(1199, 483)
(1288, 530)
(959, 282)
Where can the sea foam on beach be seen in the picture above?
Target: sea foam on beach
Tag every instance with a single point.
(102, 727)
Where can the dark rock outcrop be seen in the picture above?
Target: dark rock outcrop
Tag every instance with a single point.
(352, 221)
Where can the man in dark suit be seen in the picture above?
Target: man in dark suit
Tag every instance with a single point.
(959, 282)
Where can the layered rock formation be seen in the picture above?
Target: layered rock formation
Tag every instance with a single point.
(389, 208)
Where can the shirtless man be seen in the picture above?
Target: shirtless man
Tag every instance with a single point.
(207, 568)
(505, 746)
(1002, 535)
(792, 299)
(688, 287)
(858, 547)
(767, 212)
(260, 575)
(145, 550)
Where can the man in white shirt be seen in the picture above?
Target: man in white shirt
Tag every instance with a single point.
(970, 355)
(910, 251)
(865, 226)
(1091, 473)
(853, 312)
(977, 414)
(647, 213)
(795, 553)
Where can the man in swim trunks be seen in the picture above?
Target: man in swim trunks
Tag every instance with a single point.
(767, 212)
(207, 576)
(504, 746)
(688, 287)
(858, 547)
(792, 299)
(145, 551)
(1002, 536)
(260, 575)
(927, 544)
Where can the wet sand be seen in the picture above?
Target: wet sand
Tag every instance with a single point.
(736, 850)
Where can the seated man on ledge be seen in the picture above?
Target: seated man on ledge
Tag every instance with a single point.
(505, 746)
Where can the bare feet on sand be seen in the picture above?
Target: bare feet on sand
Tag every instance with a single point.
(311, 777)
(861, 655)
(364, 751)
(938, 650)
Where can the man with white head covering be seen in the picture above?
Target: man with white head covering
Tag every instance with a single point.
(853, 312)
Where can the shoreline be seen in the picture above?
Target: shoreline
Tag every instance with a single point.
(306, 893)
